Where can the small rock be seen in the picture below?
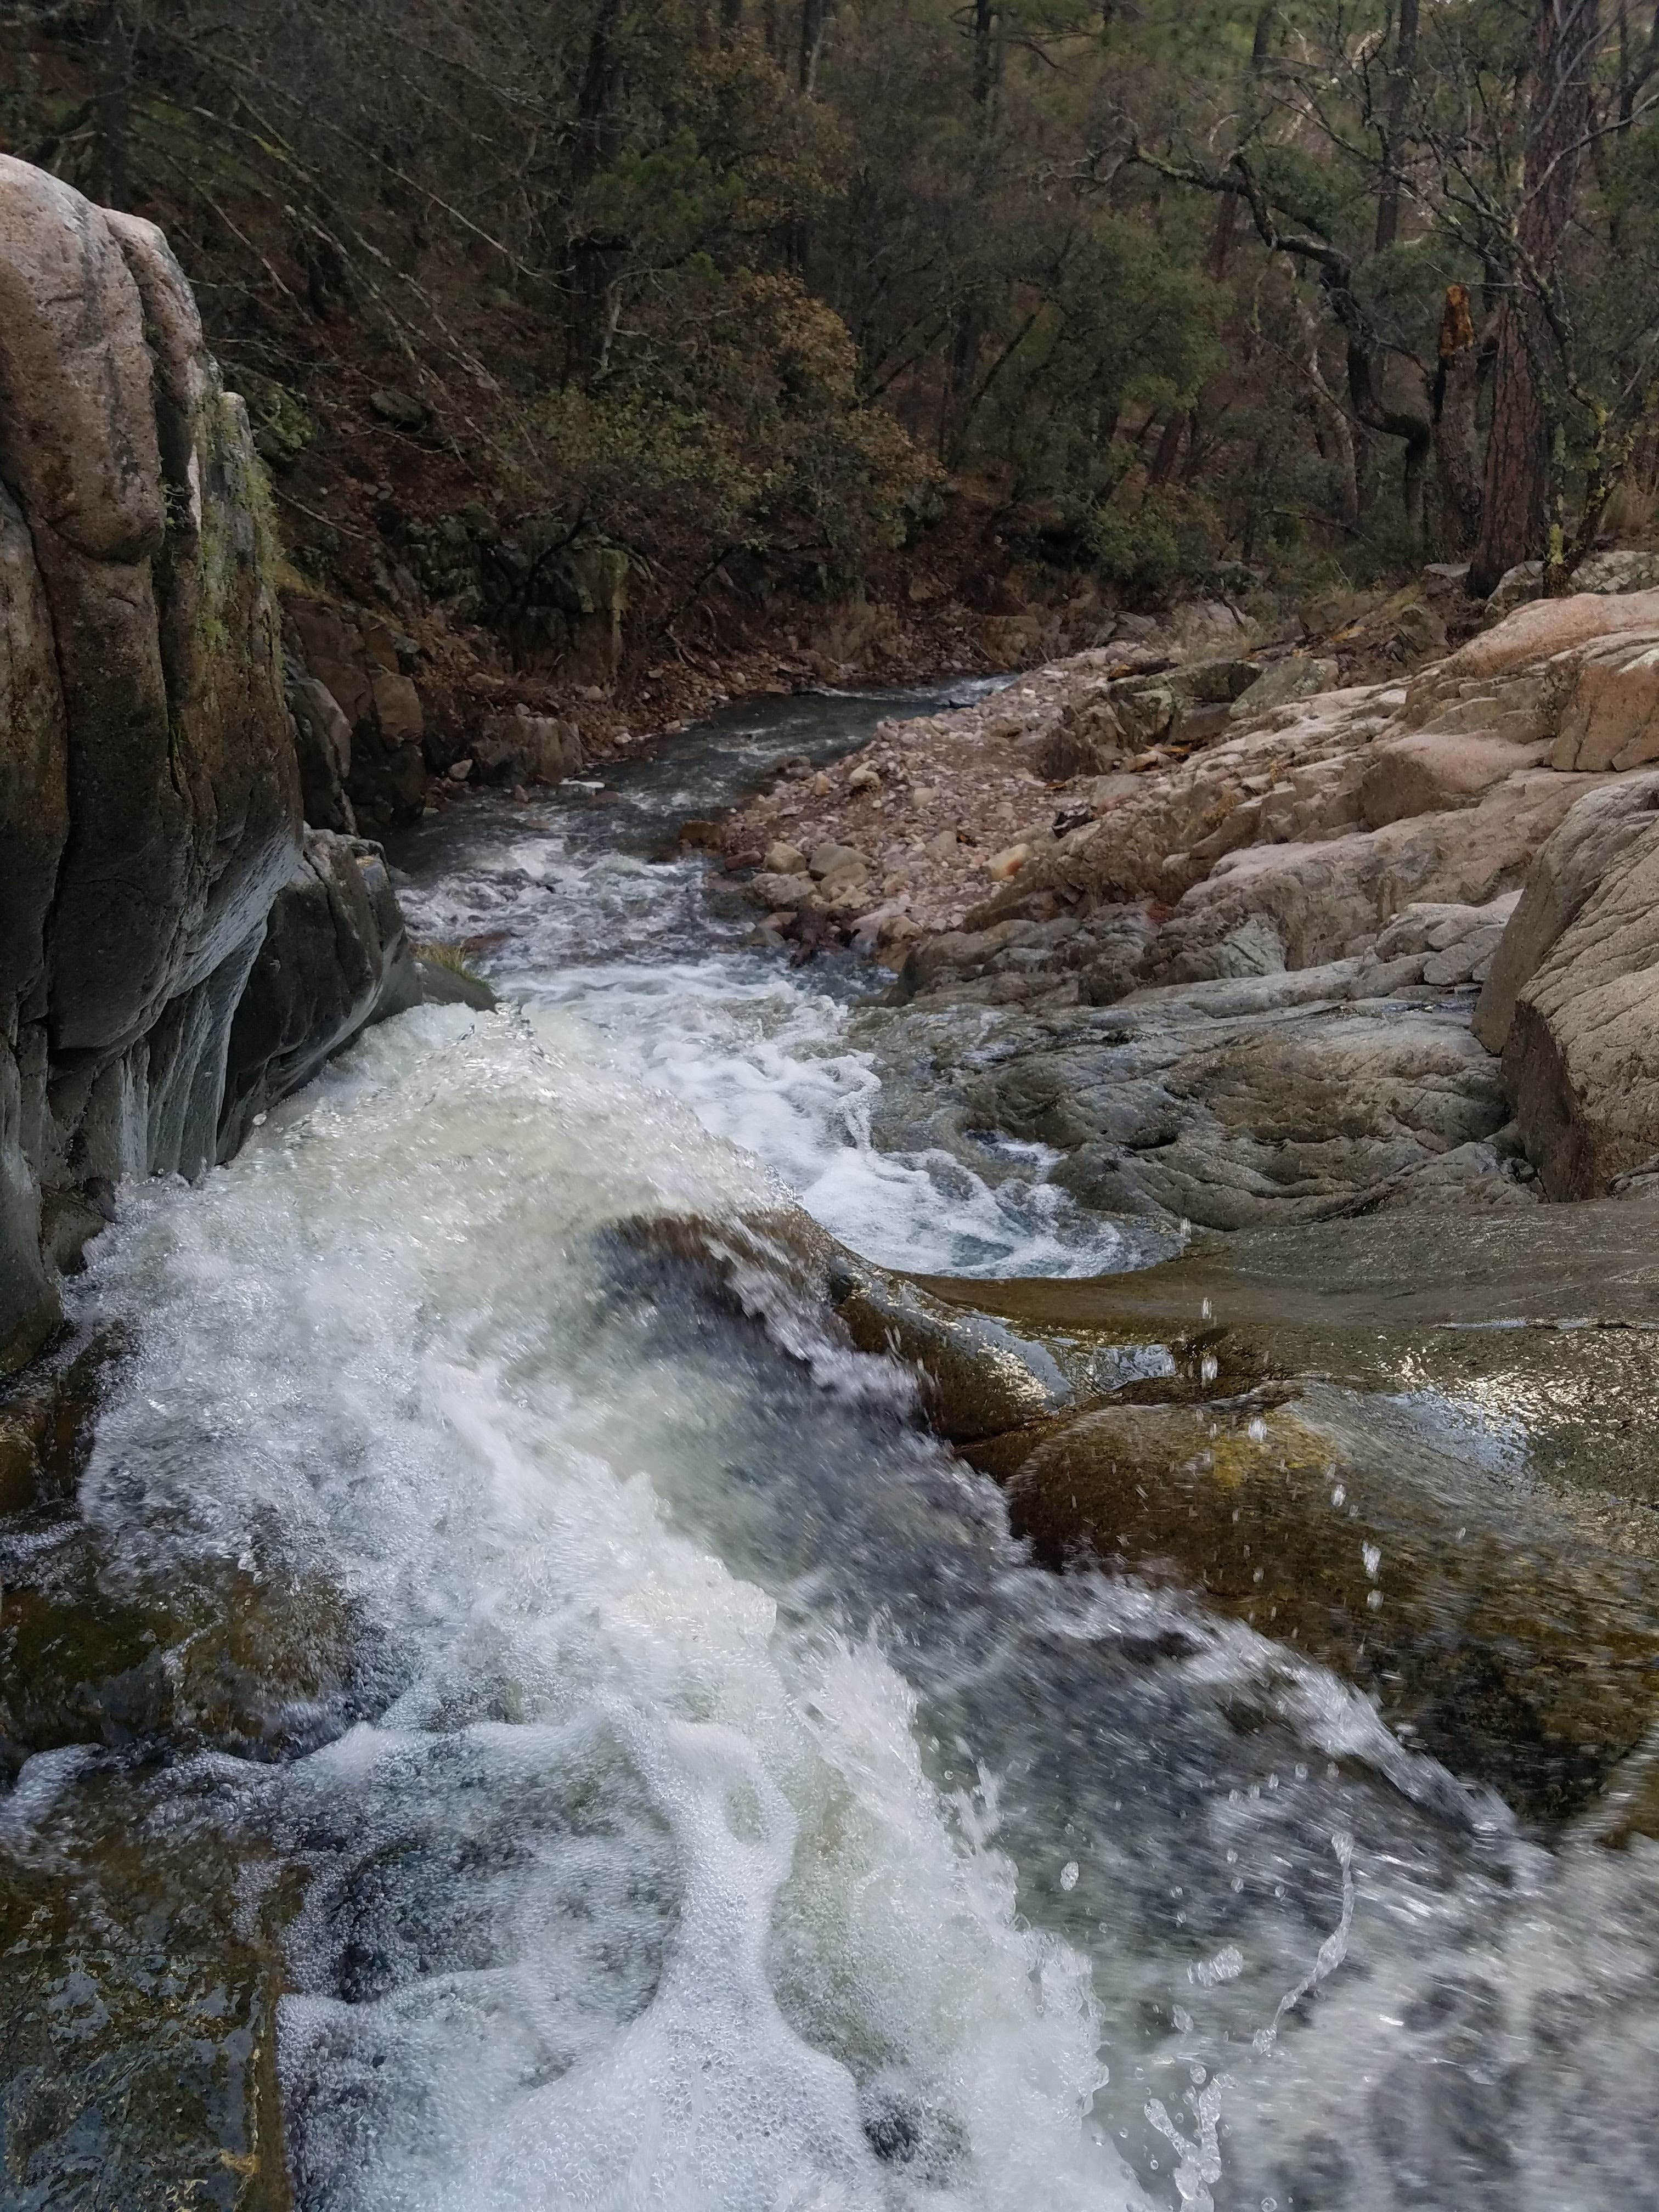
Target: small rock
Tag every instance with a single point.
(944, 847)
(829, 859)
(1009, 862)
(821, 785)
(459, 770)
(782, 860)
(924, 794)
(863, 779)
(1420, 631)
(400, 409)
(774, 892)
(841, 883)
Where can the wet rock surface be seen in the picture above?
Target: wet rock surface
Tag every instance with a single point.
(150, 791)
(335, 958)
(156, 755)
(1428, 1462)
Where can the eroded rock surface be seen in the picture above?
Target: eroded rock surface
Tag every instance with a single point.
(150, 785)
(335, 959)
(1233, 983)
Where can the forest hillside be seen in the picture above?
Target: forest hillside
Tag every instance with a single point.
(740, 313)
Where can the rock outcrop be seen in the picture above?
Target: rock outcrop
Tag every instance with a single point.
(150, 790)
(335, 958)
(357, 661)
(1301, 1427)
(151, 794)
(1234, 982)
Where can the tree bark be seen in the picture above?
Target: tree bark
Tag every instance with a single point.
(1518, 473)
(1401, 78)
(112, 104)
(1168, 453)
(814, 23)
(1456, 443)
(594, 259)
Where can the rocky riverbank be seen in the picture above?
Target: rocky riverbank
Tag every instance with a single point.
(1258, 949)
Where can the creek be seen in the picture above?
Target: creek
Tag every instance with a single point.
(662, 1779)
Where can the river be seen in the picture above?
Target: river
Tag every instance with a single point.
(671, 1785)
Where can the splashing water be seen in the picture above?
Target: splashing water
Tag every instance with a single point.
(706, 1805)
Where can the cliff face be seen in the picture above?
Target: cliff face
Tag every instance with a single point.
(151, 804)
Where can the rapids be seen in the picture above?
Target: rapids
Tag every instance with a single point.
(704, 1805)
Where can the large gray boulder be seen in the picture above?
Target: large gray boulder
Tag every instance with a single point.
(149, 802)
(1580, 1059)
(1233, 1103)
(335, 958)
(1599, 829)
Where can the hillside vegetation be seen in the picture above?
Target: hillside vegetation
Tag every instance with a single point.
(789, 301)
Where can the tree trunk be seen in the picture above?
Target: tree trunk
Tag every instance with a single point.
(814, 23)
(1456, 444)
(963, 361)
(1513, 507)
(595, 260)
(731, 19)
(1169, 451)
(112, 104)
(985, 51)
(1402, 78)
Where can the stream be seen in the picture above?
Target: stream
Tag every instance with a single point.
(663, 1779)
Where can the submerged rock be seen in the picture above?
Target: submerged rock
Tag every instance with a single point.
(1429, 1465)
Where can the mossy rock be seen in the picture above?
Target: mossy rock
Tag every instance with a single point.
(140, 1971)
(1431, 1463)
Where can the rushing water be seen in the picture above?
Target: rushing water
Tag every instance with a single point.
(710, 1809)
(587, 913)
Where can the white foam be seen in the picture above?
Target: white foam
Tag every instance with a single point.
(758, 1053)
(712, 1906)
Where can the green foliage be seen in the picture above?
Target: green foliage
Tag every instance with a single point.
(754, 437)
(1148, 548)
(1302, 190)
(666, 276)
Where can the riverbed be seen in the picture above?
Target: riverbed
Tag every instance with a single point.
(659, 1776)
